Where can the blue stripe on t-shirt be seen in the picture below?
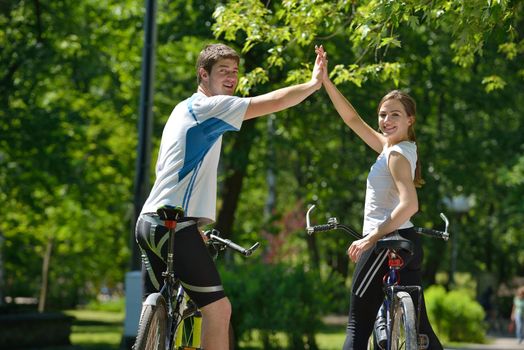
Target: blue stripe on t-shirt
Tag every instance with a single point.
(199, 140)
(189, 188)
(190, 107)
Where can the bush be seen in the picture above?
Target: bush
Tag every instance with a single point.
(454, 315)
(273, 298)
(33, 329)
(111, 305)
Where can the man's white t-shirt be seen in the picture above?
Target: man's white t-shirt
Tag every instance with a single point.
(186, 169)
(381, 193)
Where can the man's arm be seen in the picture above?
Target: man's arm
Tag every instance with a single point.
(290, 96)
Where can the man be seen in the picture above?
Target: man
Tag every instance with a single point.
(186, 175)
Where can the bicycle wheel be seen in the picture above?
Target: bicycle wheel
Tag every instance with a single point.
(403, 327)
(153, 324)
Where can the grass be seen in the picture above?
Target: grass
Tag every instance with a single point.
(102, 330)
(330, 337)
(94, 330)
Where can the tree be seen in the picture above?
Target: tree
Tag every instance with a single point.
(459, 59)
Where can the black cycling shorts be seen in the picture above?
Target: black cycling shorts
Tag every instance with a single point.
(192, 263)
(367, 293)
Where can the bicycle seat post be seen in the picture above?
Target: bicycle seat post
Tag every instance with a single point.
(170, 215)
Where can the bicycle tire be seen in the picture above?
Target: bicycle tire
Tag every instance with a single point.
(403, 325)
(152, 328)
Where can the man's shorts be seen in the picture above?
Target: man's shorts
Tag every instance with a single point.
(192, 263)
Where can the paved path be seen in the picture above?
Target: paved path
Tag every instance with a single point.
(494, 343)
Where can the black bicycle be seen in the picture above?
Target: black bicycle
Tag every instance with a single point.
(170, 320)
(396, 325)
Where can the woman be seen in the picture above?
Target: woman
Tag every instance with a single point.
(517, 314)
(391, 200)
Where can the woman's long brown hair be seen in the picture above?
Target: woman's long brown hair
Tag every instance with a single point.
(411, 109)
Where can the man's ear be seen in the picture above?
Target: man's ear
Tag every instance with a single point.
(203, 73)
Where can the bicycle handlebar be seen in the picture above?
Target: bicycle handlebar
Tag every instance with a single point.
(334, 225)
(215, 240)
(432, 233)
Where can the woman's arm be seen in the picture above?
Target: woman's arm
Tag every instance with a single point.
(408, 205)
(350, 116)
(347, 112)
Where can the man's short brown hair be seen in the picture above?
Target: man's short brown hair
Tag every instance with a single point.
(213, 53)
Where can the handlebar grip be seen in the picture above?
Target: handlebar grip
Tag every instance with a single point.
(234, 246)
(230, 244)
(432, 233)
(320, 228)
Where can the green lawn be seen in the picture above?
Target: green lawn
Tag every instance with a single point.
(328, 338)
(97, 330)
(102, 330)
(94, 330)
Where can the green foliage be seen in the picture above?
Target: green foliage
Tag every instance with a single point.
(111, 305)
(454, 315)
(70, 87)
(274, 298)
(69, 92)
(372, 28)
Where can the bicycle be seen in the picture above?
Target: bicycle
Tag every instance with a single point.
(170, 320)
(396, 325)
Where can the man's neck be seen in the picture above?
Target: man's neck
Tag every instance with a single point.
(203, 90)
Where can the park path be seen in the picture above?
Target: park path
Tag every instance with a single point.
(494, 343)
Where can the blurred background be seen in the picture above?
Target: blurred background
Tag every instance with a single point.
(71, 74)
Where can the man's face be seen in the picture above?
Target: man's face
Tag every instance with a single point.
(223, 78)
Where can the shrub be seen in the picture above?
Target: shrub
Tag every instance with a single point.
(273, 298)
(455, 315)
(33, 329)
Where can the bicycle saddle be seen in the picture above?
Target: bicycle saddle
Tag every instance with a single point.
(170, 212)
(394, 241)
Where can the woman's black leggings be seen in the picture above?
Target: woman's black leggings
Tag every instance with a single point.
(367, 294)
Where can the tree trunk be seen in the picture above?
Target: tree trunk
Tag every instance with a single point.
(45, 274)
(2, 283)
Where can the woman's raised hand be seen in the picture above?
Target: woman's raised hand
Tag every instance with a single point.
(319, 50)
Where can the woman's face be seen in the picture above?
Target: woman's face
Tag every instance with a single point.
(394, 121)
